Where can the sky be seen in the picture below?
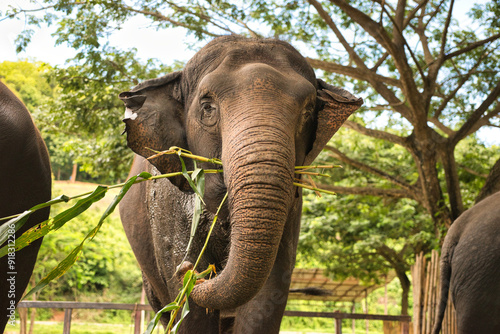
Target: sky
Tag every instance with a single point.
(166, 45)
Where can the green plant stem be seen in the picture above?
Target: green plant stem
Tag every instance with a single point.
(314, 188)
(311, 173)
(303, 168)
(210, 231)
(186, 154)
(156, 177)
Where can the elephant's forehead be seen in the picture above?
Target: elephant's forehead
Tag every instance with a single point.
(234, 54)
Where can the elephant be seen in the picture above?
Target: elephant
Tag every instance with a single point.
(256, 105)
(27, 179)
(470, 269)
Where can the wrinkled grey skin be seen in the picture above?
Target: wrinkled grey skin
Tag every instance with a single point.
(257, 106)
(26, 181)
(470, 269)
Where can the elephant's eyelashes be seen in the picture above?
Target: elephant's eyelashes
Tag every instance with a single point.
(208, 113)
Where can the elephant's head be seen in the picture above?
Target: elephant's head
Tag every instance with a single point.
(256, 105)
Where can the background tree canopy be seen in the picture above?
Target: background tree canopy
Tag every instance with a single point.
(413, 161)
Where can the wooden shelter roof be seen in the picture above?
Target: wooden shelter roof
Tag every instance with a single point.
(349, 290)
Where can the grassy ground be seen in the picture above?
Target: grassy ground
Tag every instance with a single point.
(47, 327)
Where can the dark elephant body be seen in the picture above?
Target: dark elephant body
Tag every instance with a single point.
(257, 106)
(470, 269)
(26, 181)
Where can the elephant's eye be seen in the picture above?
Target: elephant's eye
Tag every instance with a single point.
(208, 113)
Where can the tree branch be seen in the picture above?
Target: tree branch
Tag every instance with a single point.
(375, 133)
(328, 20)
(473, 172)
(472, 46)
(353, 72)
(485, 120)
(444, 36)
(205, 18)
(441, 126)
(398, 55)
(367, 191)
(162, 17)
(372, 78)
(463, 80)
(492, 183)
(472, 121)
(395, 180)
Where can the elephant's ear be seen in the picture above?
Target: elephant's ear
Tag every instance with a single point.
(335, 105)
(154, 122)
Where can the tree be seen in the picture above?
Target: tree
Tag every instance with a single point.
(366, 236)
(412, 61)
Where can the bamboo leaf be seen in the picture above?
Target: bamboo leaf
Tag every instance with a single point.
(53, 224)
(156, 319)
(198, 177)
(65, 264)
(21, 219)
(189, 179)
(184, 313)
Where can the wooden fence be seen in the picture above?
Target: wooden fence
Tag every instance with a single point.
(70, 306)
(137, 308)
(426, 293)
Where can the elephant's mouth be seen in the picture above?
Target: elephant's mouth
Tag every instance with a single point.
(215, 191)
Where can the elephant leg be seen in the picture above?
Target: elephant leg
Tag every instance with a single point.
(155, 303)
(264, 312)
(200, 320)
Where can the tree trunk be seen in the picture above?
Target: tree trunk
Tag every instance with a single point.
(73, 173)
(425, 155)
(492, 183)
(405, 285)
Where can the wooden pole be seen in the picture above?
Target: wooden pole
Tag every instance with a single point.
(137, 321)
(67, 320)
(385, 296)
(353, 320)
(23, 320)
(143, 312)
(338, 326)
(366, 312)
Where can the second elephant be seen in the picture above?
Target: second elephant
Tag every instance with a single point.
(470, 269)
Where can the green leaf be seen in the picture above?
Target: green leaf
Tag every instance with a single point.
(64, 265)
(154, 322)
(188, 178)
(184, 313)
(198, 177)
(20, 220)
(58, 221)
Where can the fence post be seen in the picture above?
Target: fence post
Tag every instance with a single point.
(338, 326)
(137, 320)
(405, 327)
(67, 320)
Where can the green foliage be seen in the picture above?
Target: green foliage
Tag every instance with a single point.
(28, 80)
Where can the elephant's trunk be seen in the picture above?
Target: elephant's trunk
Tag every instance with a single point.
(258, 161)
